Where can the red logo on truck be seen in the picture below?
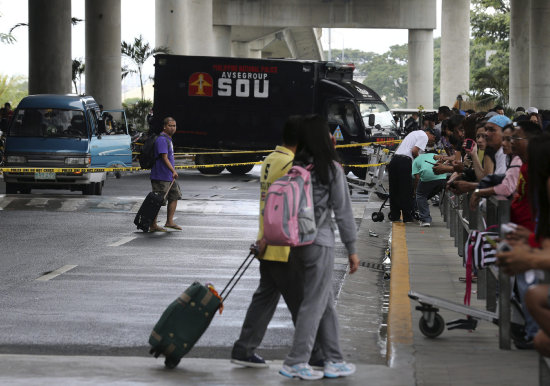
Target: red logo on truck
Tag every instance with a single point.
(200, 84)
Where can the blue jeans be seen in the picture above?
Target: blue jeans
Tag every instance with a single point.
(424, 191)
(531, 327)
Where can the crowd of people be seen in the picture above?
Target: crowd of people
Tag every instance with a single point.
(486, 154)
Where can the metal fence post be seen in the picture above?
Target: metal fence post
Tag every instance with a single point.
(505, 288)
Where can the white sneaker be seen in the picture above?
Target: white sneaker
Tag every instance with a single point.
(425, 224)
(338, 369)
(301, 370)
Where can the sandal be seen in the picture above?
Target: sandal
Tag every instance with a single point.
(175, 226)
(158, 229)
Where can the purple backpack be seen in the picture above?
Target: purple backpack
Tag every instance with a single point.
(289, 214)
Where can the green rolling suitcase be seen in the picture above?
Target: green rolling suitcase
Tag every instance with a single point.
(187, 317)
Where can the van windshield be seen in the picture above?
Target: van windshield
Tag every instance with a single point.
(48, 123)
(382, 116)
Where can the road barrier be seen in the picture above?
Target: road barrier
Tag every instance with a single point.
(490, 281)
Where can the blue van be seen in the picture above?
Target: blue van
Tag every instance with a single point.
(64, 131)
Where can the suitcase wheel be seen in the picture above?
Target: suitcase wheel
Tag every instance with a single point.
(171, 363)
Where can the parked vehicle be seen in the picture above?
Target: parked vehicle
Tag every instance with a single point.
(64, 131)
(241, 104)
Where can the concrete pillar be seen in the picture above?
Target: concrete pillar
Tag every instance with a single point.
(539, 65)
(222, 40)
(103, 58)
(170, 25)
(421, 74)
(455, 50)
(519, 53)
(185, 26)
(50, 61)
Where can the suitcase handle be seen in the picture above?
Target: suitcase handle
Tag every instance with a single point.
(240, 272)
(168, 190)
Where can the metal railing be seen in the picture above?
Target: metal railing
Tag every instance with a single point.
(490, 281)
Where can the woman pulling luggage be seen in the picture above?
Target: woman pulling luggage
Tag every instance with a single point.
(317, 313)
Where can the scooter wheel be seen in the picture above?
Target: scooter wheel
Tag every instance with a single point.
(171, 363)
(377, 216)
(433, 331)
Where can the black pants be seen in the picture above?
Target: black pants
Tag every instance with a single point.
(401, 188)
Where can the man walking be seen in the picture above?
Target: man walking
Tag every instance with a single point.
(399, 173)
(163, 173)
(278, 275)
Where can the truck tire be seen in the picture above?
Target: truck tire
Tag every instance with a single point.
(11, 188)
(88, 189)
(208, 159)
(239, 170)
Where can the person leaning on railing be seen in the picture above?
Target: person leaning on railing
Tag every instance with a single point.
(532, 250)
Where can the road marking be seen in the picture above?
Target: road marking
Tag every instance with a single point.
(122, 241)
(38, 202)
(69, 205)
(56, 273)
(5, 202)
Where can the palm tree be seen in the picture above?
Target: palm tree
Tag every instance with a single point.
(138, 53)
(78, 69)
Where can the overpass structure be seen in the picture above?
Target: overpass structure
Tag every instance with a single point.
(284, 28)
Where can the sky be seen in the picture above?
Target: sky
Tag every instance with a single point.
(138, 19)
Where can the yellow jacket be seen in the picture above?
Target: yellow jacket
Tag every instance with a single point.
(275, 165)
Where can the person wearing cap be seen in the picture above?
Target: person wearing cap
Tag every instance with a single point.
(400, 172)
(493, 131)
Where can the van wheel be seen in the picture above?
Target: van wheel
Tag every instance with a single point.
(239, 170)
(209, 159)
(97, 188)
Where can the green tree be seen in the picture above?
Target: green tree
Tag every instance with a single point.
(138, 53)
(12, 89)
(490, 21)
(78, 69)
(136, 112)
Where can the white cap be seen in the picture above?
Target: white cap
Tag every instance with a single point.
(531, 110)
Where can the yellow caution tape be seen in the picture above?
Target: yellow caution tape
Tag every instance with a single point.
(392, 141)
(365, 165)
(137, 168)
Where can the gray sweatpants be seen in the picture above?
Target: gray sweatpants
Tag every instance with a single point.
(275, 279)
(317, 314)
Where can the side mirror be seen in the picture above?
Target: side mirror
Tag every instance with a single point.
(371, 119)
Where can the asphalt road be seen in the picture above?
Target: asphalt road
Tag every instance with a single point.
(114, 281)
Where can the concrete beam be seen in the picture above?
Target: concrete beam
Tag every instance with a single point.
(50, 61)
(410, 14)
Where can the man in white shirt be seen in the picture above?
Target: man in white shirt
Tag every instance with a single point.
(400, 169)
(493, 129)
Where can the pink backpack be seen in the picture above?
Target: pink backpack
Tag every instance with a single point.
(289, 215)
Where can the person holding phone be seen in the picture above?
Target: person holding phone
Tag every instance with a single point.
(426, 185)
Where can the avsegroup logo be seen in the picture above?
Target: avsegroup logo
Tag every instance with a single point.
(200, 84)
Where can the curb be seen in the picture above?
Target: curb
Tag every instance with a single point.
(400, 334)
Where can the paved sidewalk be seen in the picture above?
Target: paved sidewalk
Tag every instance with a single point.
(457, 357)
